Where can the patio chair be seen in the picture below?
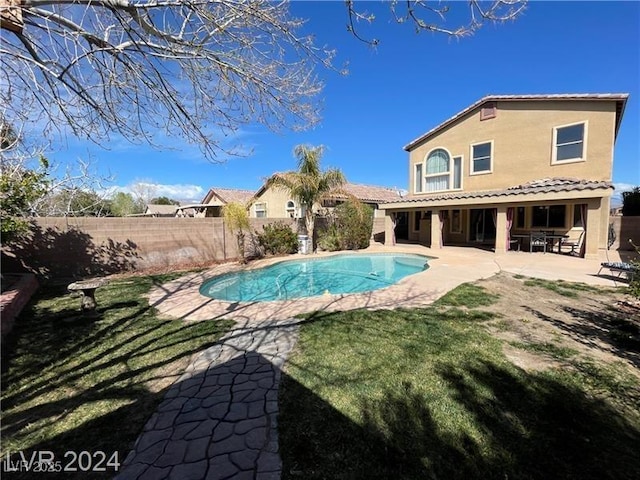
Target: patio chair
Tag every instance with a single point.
(574, 245)
(621, 267)
(538, 239)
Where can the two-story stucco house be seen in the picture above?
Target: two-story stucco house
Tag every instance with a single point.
(509, 165)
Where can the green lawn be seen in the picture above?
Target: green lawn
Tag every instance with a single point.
(428, 393)
(71, 383)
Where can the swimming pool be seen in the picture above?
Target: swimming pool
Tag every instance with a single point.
(339, 274)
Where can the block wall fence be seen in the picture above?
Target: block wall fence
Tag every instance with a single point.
(85, 246)
(625, 228)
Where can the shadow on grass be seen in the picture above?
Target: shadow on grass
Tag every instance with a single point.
(474, 416)
(533, 427)
(104, 374)
(608, 330)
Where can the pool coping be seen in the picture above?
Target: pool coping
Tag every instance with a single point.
(383, 283)
(448, 268)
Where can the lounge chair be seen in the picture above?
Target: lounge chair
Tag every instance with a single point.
(573, 244)
(621, 267)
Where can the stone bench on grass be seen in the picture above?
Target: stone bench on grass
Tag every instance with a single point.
(87, 290)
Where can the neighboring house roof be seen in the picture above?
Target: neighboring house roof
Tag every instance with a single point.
(222, 196)
(619, 98)
(364, 193)
(545, 185)
(372, 193)
(158, 209)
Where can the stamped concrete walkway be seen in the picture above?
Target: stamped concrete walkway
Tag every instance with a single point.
(219, 420)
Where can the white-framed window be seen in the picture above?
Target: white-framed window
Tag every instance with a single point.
(481, 157)
(261, 210)
(569, 143)
(417, 188)
(438, 171)
(457, 173)
(291, 208)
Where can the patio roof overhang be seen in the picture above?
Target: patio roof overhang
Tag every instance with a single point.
(201, 205)
(540, 191)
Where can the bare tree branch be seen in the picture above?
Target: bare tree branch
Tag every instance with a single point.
(198, 69)
(194, 69)
(32, 186)
(432, 15)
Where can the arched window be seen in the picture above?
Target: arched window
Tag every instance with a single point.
(438, 171)
(291, 208)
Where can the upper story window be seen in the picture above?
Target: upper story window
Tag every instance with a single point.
(261, 210)
(569, 143)
(418, 179)
(439, 173)
(481, 158)
(457, 173)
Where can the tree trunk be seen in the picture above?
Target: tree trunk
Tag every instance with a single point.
(310, 224)
(240, 240)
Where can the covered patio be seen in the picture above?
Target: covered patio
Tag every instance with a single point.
(559, 215)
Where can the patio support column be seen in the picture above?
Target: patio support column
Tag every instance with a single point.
(389, 228)
(592, 237)
(436, 234)
(501, 229)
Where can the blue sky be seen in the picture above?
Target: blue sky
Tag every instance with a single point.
(407, 85)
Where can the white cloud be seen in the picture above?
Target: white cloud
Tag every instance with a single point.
(616, 198)
(183, 192)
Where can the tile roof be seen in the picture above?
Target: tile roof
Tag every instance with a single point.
(228, 195)
(545, 185)
(372, 193)
(364, 193)
(620, 98)
(159, 209)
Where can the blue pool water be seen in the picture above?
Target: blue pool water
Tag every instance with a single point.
(351, 273)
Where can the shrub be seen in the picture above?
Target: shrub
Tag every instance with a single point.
(349, 227)
(355, 222)
(236, 218)
(631, 202)
(329, 238)
(278, 238)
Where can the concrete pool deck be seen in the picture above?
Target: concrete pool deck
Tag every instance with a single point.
(449, 267)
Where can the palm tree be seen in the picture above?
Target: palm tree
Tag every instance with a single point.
(309, 185)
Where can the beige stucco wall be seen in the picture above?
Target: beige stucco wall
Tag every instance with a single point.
(522, 135)
(276, 200)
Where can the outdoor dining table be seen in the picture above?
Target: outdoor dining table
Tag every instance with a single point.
(552, 237)
(556, 238)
